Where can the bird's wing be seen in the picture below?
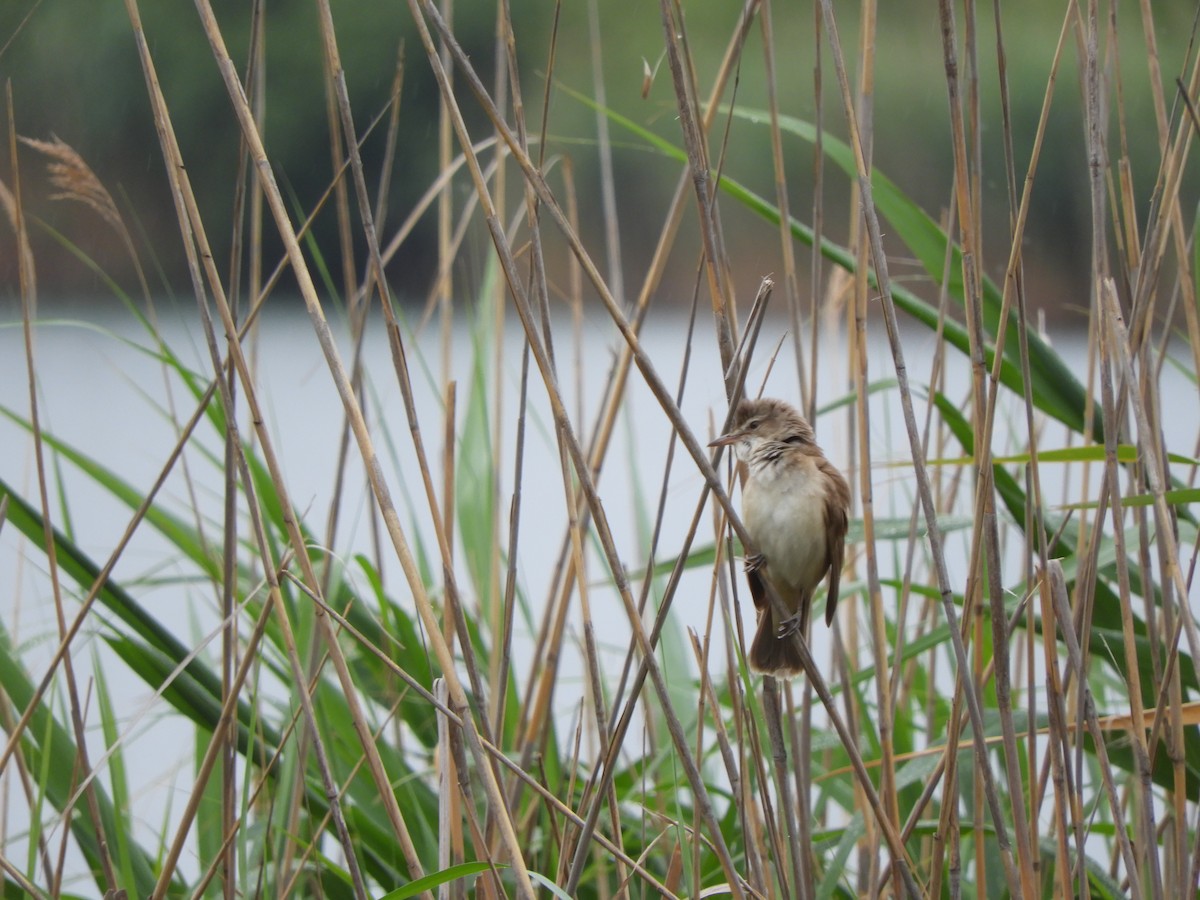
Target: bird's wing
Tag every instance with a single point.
(758, 589)
(837, 521)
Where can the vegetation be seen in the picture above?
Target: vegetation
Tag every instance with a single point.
(1008, 703)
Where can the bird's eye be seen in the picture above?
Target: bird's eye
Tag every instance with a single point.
(752, 424)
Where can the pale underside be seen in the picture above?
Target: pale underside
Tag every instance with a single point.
(786, 518)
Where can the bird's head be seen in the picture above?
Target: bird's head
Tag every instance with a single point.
(757, 422)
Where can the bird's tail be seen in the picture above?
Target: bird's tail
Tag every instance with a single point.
(772, 654)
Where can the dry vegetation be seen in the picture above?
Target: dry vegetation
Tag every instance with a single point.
(1010, 712)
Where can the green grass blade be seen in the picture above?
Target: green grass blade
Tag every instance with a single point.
(84, 572)
(437, 879)
(50, 750)
(1054, 387)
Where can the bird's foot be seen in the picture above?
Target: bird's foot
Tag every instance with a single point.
(754, 562)
(789, 626)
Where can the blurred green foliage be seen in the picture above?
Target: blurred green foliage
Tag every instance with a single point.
(74, 73)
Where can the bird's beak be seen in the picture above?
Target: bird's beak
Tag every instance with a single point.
(726, 439)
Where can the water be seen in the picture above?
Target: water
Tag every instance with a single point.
(101, 392)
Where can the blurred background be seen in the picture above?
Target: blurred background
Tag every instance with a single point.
(70, 70)
(73, 72)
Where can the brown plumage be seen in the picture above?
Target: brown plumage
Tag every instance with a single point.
(796, 507)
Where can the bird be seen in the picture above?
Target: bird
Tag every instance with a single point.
(796, 509)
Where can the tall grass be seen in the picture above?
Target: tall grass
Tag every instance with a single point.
(1009, 703)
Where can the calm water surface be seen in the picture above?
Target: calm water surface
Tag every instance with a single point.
(102, 392)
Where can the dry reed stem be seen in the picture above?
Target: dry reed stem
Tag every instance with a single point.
(275, 201)
(985, 538)
(23, 773)
(564, 576)
(227, 860)
(222, 734)
(818, 287)
(1062, 614)
(454, 610)
(341, 199)
(864, 112)
(1144, 824)
(797, 854)
(898, 690)
(20, 880)
(454, 616)
(614, 392)
(881, 270)
(534, 178)
(500, 697)
(802, 727)
(184, 433)
(606, 770)
(502, 73)
(1166, 671)
(546, 369)
(782, 203)
(442, 292)
(196, 246)
(715, 261)
(77, 182)
(575, 531)
(608, 192)
(502, 759)
(1065, 812)
(183, 436)
(24, 252)
(1165, 206)
(76, 708)
(1014, 284)
(192, 227)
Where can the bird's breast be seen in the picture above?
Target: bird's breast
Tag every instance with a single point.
(783, 508)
